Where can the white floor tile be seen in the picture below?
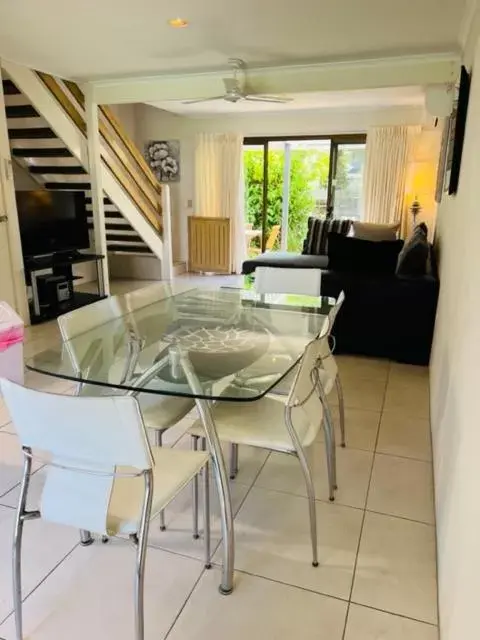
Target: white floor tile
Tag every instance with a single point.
(396, 567)
(402, 487)
(272, 534)
(361, 394)
(44, 546)
(178, 536)
(362, 368)
(361, 428)
(368, 624)
(283, 473)
(258, 609)
(410, 396)
(91, 595)
(250, 461)
(399, 372)
(402, 435)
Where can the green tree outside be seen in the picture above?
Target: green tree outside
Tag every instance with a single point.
(308, 189)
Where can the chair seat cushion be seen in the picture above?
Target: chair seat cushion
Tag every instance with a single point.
(260, 423)
(264, 370)
(162, 412)
(173, 470)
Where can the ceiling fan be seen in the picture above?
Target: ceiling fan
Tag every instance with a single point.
(235, 90)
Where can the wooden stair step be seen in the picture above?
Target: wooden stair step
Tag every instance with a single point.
(22, 111)
(117, 246)
(9, 88)
(30, 133)
(45, 152)
(88, 200)
(59, 170)
(69, 186)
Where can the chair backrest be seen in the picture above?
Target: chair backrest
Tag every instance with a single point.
(145, 296)
(272, 237)
(305, 282)
(84, 440)
(335, 309)
(303, 390)
(81, 320)
(92, 350)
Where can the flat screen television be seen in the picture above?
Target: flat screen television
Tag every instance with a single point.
(52, 221)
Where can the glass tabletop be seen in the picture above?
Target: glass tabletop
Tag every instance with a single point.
(200, 344)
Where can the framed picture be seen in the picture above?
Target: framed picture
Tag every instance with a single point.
(457, 134)
(163, 157)
(450, 126)
(442, 161)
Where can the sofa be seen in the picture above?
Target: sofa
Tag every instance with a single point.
(387, 313)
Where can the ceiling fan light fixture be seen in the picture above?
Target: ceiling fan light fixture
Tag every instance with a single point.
(178, 23)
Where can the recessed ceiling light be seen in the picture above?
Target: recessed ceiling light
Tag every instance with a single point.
(178, 23)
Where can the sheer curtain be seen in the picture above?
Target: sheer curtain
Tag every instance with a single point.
(219, 189)
(388, 153)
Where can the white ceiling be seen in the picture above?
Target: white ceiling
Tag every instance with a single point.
(372, 98)
(113, 38)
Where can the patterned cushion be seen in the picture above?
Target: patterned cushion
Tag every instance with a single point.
(414, 257)
(373, 231)
(316, 242)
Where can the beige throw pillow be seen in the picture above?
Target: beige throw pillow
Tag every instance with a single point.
(375, 232)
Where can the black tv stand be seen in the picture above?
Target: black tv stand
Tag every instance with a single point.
(60, 264)
(62, 256)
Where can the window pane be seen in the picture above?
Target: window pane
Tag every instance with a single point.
(348, 199)
(253, 158)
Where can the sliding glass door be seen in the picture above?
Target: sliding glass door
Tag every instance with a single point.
(288, 180)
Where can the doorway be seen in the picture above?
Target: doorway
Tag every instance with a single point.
(287, 180)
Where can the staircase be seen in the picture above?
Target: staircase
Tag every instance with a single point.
(47, 133)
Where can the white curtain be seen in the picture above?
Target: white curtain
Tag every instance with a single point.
(388, 152)
(219, 189)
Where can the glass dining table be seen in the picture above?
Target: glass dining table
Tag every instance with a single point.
(200, 344)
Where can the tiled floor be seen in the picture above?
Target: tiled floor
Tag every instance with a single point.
(376, 579)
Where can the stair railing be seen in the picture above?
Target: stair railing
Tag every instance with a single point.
(119, 152)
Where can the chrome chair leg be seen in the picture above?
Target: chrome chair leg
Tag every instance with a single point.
(330, 443)
(86, 538)
(195, 494)
(331, 463)
(20, 517)
(141, 543)
(159, 443)
(206, 509)
(233, 461)
(341, 410)
(307, 474)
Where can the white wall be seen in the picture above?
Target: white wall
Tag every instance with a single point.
(22, 179)
(127, 115)
(455, 387)
(155, 124)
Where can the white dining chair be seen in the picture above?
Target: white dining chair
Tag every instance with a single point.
(285, 425)
(305, 282)
(159, 412)
(101, 473)
(329, 374)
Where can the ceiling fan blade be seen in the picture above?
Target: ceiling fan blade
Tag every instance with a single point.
(203, 100)
(273, 99)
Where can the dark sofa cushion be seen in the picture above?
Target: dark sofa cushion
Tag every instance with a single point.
(284, 259)
(413, 259)
(390, 317)
(316, 242)
(353, 255)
